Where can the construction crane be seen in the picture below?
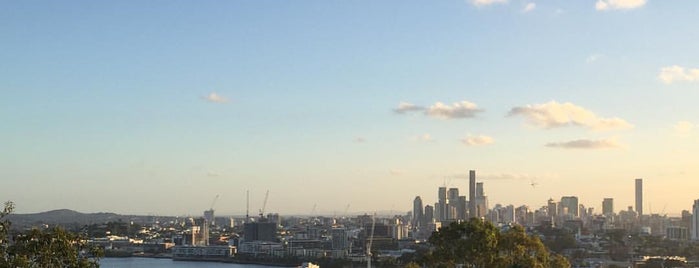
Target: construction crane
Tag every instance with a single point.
(264, 204)
(313, 211)
(371, 240)
(213, 203)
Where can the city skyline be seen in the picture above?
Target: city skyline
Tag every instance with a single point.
(157, 107)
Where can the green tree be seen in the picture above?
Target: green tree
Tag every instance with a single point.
(477, 243)
(473, 243)
(51, 248)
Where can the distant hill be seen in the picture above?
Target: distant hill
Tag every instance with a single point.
(70, 219)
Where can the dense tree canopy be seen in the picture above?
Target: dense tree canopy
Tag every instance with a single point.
(37, 248)
(477, 243)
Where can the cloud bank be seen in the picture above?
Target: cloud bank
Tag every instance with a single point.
(586, 144)
(606, 5)
(671, 74)
(553, 114)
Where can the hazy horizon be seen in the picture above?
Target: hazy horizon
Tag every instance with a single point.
(153, 107)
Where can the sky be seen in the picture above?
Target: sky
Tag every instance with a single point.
(156, 107)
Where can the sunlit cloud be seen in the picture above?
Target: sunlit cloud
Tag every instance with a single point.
(671, 74)
(215, 97)
(684, 128)
(554, 114)
(405, 107)
(586, 144)
(529, 7)
(463, 109)
(477, 140)
(479, 3)
(605, 5)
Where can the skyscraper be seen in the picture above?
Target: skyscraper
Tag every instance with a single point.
(569, 206)
(472, 193)
(453, 205)
(608, 206)
(481, 201)
(639, 197)
(418, 214)
(441, 206)
(429, 214)
(552, 208)
(695, 220)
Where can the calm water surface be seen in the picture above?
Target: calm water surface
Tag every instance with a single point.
(151, 262)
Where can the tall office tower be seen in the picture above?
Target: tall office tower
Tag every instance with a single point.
(453, 203)
(472, 193)
(461, 208)
(441, 206)
(418, 213)
(429, 214)
(695, 220)
(608, 206)
(481, 201)
(552, 208)
(569, 206)
(479, 189)
(639, 197)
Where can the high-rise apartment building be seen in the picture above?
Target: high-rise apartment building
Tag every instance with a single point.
(695, 221)
(472, 193)
(608, 206)
(639, 197)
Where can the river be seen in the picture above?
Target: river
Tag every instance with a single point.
(155, 262)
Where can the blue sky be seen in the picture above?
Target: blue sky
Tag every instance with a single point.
(155, 107)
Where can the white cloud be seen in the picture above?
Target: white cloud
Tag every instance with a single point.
(359, 140)
(553, 114)
(586, 144)
(424, 138)
(604, 5)
(404, 107)
(671, 74)
(477, 140)
(463, 109)
(529, 7)
(684, 128)
(396, 172)
(479, 3)
(215, 97)
(593, 58)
